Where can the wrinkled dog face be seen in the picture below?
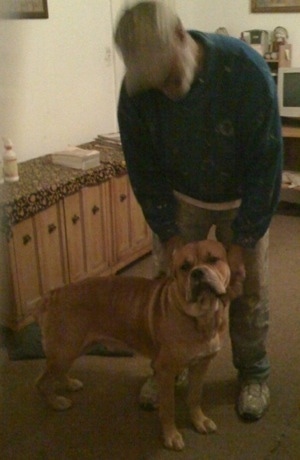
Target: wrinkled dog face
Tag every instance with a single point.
(202, 273)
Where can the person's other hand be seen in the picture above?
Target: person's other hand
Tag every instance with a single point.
(169, 247)
(236, 263)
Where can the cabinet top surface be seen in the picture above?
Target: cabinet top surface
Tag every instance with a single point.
(43, 184)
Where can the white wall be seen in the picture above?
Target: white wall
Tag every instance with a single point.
(235, 15)
(57, 78)
(60, 76)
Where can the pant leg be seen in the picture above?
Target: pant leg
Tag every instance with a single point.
(249, 314)
(194, 223)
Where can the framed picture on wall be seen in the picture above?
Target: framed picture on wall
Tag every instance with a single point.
(27, 9)
(275, 6)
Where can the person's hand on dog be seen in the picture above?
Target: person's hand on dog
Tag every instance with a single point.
(170, 245)
(237, 268)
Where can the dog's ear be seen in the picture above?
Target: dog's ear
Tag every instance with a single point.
(172, 250)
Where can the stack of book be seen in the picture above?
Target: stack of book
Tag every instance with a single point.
(75, 157)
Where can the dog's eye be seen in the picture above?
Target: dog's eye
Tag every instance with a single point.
(212, 259)
(186, 266)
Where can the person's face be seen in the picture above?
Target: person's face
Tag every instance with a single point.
(181, 74)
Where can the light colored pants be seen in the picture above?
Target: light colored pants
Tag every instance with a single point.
(249, 314)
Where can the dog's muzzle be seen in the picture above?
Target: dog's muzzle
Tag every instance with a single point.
(205, 279)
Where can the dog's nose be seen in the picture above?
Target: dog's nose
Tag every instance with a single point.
(197, 274)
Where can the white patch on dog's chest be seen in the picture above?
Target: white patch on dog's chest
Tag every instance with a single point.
(208, 349)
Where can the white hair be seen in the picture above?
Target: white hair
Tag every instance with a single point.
(148, 24)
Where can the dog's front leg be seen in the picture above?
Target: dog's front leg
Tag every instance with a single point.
(197, 373)
(166, 387)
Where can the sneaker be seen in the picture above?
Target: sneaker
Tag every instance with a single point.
(148, 398)
(253, 401)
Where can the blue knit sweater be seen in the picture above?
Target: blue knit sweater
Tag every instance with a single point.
(221, 142)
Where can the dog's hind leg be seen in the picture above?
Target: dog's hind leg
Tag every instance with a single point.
(196, 377)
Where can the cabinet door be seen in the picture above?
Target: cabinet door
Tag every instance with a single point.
(73, 212)
(97, 228)
(141, 234)
(25, 268)
(8, 307)
(131, 235)
(121, 216)
(50, 232)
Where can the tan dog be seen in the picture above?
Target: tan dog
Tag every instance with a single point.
(175, 321)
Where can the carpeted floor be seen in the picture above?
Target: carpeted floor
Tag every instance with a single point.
(106, 423)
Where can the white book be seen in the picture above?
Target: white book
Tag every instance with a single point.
(75, 157)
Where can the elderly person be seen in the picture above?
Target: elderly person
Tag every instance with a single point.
(200, 130)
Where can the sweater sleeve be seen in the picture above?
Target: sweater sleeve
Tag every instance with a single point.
(145, 165)
(260, 143)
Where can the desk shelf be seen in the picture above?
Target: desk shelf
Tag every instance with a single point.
(291, 140)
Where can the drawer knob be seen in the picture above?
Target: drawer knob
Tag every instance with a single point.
(95, 209)
(75, 219)
(123, 197)
(26, 239)
(51, 228)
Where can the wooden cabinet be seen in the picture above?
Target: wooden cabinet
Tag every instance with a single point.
(105, 229)
(87, 220)
(97, 230)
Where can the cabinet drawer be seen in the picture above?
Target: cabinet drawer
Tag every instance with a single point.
(141, 234)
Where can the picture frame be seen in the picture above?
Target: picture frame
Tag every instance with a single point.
(27, 9)
(275, 6)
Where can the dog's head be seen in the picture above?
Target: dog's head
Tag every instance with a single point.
(202, 276)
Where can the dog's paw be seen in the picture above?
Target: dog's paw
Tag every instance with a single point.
(73, 385)
(202, 423)
(60, 402)
(174, 441)
(205, 425)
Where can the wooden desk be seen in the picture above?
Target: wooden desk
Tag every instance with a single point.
(291, 140)
(290, 131)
